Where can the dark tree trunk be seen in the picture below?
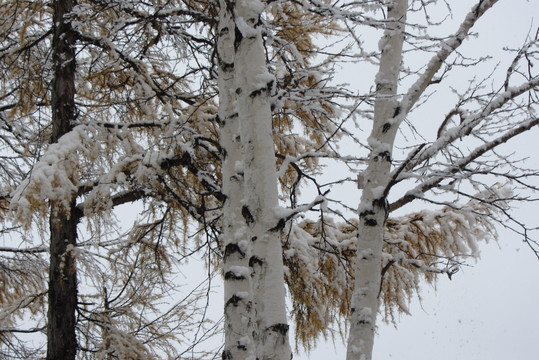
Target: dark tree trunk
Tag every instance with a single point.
(62, 342)
(61, 338)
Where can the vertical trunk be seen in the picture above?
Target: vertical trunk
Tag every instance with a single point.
(260, 200)
(61, 339)
(372, 209)
(239, 326)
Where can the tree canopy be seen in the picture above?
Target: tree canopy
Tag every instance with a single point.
(138, 138)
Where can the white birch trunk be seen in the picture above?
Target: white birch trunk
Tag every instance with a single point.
(239, 309)
(260, 200)
(372, 209)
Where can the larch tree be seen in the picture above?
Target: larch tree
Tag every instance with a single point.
(26, 97)
(24, 273)
(64, 215)
(111, 150)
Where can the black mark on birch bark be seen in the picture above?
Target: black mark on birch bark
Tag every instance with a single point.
(238, 38)
(247, 215)
(386, 155)
(366, 213)
(397, 111)
(234, 301)
(231, 275)
(280, 225)
(255, 260)
(233, 249)
(279, 328)
(370, 222)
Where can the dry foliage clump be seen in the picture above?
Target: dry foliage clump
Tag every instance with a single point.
(425, 244)
(319, 258)
(319, 278)
(23, 286)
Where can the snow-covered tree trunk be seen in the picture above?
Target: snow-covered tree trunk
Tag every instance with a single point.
(373, 210)
(260, 201)
(61, 338)
(239, 309)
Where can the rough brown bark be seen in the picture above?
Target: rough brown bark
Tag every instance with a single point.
(61, 338)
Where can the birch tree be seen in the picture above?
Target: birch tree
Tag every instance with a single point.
(372, 211)
(239, 297)
(254, 85)
(434, 165)
(294, 87)
(258, 326)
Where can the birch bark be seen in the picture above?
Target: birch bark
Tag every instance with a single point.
(260, 201)
(373, 209)
(239, 307)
